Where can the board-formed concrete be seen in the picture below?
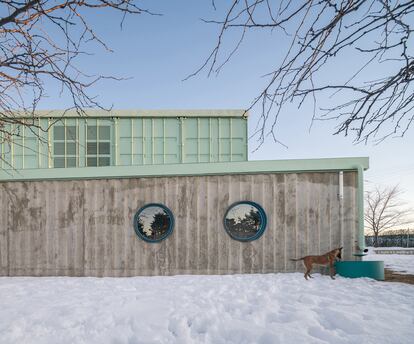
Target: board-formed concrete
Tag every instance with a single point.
(85, 227)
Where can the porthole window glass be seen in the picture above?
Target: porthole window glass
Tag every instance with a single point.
(245, 221)
(153, 222)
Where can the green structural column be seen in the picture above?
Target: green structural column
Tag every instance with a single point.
(361, 238)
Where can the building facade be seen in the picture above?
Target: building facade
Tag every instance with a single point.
(153, 193)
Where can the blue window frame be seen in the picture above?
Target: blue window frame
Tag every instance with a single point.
(154, 222)
(245, 221)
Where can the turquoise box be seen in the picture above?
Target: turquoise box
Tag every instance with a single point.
(355, 269)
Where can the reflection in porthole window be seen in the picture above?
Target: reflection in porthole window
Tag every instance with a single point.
(153, 222)
(245, 221)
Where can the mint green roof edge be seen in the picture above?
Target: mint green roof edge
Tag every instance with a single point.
(197, 169)
(138, 113)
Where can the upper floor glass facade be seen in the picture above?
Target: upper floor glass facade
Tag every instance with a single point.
(123, 141)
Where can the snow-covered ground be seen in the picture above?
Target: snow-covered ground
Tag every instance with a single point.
(401, 263)
(271, 308)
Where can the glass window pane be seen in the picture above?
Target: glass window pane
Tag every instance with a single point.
(71, 133)
(91, 132)
(59, 133)
(70, 162)
(153, 222)
(59, 162)
(104, 148)
(71, 148)
(245, 221)
(91, 148)
(104, 133)
(104, 161)
(91, 162)
(59, 148)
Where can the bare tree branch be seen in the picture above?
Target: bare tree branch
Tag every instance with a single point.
(385, 210)
(40, 41)
(370, 102)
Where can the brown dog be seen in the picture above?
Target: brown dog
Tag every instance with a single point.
(325, 259)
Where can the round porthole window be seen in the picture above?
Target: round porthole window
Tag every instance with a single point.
(245, 221)
(153, 222)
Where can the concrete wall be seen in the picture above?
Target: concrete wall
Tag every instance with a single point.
(84, 227)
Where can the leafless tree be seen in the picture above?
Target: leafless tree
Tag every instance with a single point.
(370, 101)
(400, 231)
(385, 210)
(40, 42)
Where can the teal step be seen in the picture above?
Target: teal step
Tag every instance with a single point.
(356, 269)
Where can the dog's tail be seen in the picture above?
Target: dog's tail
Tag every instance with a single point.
(297, 259)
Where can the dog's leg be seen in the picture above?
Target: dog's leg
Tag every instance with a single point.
(331, 270)
(308, 269)
(308, 273)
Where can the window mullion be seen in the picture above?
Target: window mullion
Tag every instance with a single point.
(97, 142)
(64, 144)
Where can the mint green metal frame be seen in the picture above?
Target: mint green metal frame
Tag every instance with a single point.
(220, 168)
(59, 114)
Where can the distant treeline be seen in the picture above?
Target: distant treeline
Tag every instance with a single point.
(396, 238)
